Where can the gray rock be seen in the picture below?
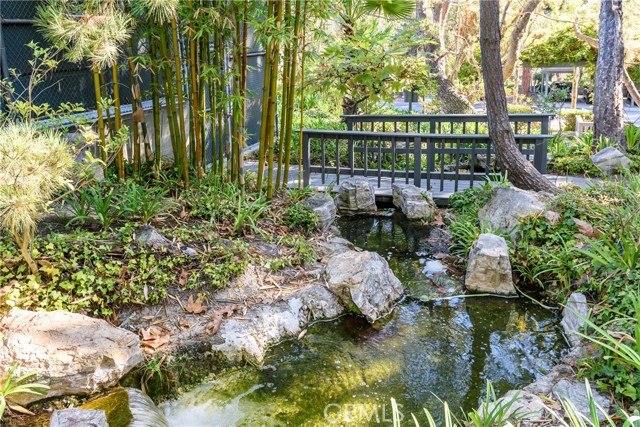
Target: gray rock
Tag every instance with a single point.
(488, 267)
(573, 315)
(249, 338)
(363, 280)
(148, 235)
(324, 207)
(414, 202)
(356, 195)
(576, 392)
(74, 417)
(526, 405)
(609, 159)
(508, 206)
(72, 354)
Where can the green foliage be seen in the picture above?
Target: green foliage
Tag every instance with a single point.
(297, 251)
(568, 116)
(10, 385)
(138, 201)
(632, 134)
(299, 217)
(561, 47)
(81, 270)
(369, 65)
(520, 109)
(493, 412)
(34, 164)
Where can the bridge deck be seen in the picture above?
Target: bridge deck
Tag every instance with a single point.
(440, 195)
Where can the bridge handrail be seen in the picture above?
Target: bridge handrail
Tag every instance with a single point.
(372, 146)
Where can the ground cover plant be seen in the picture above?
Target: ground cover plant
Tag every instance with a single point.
(589, 244)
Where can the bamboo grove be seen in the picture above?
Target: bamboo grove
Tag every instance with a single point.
(194, 56)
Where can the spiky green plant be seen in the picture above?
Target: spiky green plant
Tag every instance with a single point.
(34, 164)
(11, 385)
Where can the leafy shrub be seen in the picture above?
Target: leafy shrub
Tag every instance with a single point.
(520, 109)
(299, 217)
(34, 164)
(568, 117)
(83, 271)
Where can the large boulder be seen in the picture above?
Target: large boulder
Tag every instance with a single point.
(507, 206)
(575, 391)
(323, 207)
(356, 195)
(72, 354)
(414, 202)
(488, 267)
(364, 282)
(609, 159)
(573, 316)
(247, 339)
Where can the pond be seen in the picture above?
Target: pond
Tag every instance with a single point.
(344, 372)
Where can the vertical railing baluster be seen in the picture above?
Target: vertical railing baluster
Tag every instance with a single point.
(322, 157)
(406, 162)
(393, 159)
(338, 159)
(351, 155)
(457, 176)
(472, 167)
(306, 161)
(488, 164)
(442, 148)
(379, 161)
(417, 161)
(366, 156)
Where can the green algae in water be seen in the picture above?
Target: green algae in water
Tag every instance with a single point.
(344, 372)
(115, 404)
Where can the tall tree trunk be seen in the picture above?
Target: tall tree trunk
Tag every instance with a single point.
(626, 79)
(451, 100)
(519, 170)
(608, 103)
(515, 41)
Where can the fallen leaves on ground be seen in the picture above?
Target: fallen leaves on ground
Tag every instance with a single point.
(216, 320)
(195, 306)
(585, 228)
(154, 337)
(437, 220)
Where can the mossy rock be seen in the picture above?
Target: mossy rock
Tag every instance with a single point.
(115, 404)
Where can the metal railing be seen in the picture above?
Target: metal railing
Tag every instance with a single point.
(409, 157)
(527, 124)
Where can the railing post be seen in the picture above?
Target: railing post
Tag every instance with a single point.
(417, 161)
(540, 155)
(431, 154)
(306, 154)
(540, 152)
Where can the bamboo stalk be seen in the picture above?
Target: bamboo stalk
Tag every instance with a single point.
(118, 118)
(292, 88)
(286, 76)
(272, 100)
(176, 141)
(178, 75)
(302, 60)
(263, 143)
(99, 112)
(194, 101)
(155, 100)
(243, 89)
(134, 109)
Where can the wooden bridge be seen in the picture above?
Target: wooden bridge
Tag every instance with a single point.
(439, 152)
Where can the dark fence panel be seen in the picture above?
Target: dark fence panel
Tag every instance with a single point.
(409, 157)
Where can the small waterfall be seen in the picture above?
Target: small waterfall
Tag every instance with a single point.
(145, 413)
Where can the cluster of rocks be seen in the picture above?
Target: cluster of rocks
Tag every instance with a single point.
(356, 195)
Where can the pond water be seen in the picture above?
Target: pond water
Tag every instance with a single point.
(344, 372)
